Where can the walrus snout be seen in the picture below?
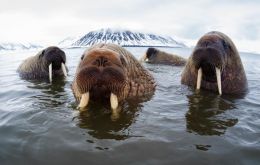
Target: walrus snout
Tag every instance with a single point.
(100, 79)
(101, 68)
(100, 84)
(56, 61)
(55, 57)
(209, 63)
(210, 56)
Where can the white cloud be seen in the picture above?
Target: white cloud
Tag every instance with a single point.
(50, 21)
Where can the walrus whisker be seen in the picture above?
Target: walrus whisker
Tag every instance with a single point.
(84, 100)
(50, 72)
(218, 74)
(199, 78)
(63, 67)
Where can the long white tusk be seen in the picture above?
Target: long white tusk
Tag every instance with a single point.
(84, 100)
(199, 78)
(50, 72)
(218, 73)
(63, 67)
(144, 58)
(113, 101)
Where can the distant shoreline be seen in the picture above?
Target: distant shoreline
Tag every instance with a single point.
(153, 46)
(76, 47)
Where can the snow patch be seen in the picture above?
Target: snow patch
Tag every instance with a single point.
(120, 37)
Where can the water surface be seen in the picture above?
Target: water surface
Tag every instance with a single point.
(39, 123)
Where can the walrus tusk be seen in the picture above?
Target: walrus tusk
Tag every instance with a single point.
(50, 72)
(113, 101)
(218, 74)
(199, 78)
(63, 67)
(84, 100)
(144, 58)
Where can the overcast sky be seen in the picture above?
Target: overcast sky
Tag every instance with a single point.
(49, 21)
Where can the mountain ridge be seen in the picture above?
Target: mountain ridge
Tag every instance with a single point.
(12, 46)
(122, 38)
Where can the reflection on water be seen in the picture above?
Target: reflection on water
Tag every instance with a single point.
(99, 123)
(53, 88)
(206, 114)
(50, 95)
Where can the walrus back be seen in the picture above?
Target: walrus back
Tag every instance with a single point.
(30, 67)
(171, 59)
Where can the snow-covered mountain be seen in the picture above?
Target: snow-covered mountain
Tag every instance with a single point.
(123, 38)
(8, 46)
(67, 42)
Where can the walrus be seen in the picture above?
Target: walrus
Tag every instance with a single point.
(108, 72)
(155, 56)
(46, 64)
(215, 65)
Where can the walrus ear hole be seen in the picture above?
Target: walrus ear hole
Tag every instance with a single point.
(123, 61)
(225, 45)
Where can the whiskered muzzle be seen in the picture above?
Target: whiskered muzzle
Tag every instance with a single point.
(98, 84)
(208, 56)
(209, 63)
(50, 69)
(217, 76)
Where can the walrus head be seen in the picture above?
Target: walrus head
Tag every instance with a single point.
(101, 75)
(54, 59)
(150, 55)
(210, 58)
(217, 63)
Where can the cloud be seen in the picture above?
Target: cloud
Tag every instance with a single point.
(50, 21)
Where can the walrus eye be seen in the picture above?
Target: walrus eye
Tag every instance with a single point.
(42, 54)
(82, 57)
(225, 45)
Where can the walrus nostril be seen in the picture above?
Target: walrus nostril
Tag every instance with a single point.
(208, 55)
(206, 43)
(101, 62)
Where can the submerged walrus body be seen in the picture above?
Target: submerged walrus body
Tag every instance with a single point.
(110, 72)
(215, 65)
(155, 56)
(47, 64)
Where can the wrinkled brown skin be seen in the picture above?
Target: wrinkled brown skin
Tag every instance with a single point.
(223, 55)
(37, 67)
(156, 56)
(106, 68)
